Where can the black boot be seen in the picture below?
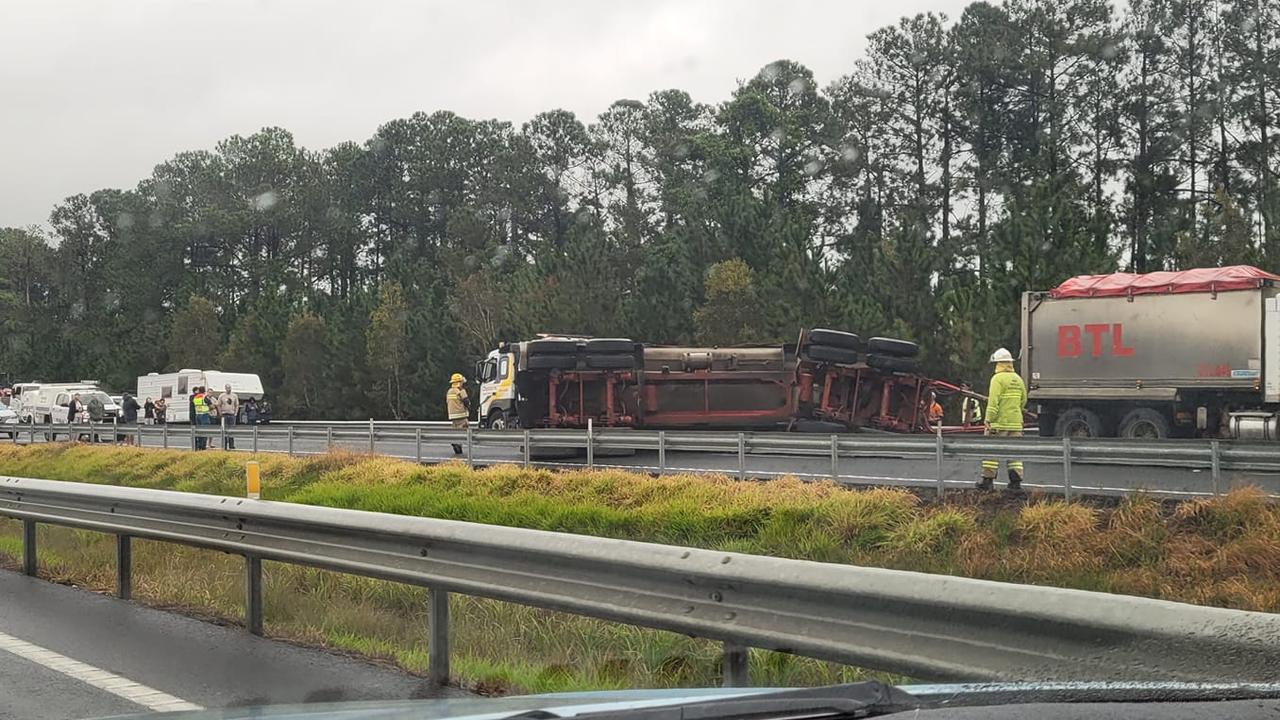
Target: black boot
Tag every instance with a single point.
(457, 449)
(1015, 481)
(985, 483)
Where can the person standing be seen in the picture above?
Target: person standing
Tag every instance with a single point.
(456, 403)
(1006, 399)
(149, 412)
(162, 409)
(228, 412)
(200, 415)
(129, 414)
(75, 408)
(970, 408)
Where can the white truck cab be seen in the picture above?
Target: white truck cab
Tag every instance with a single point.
(497, 374)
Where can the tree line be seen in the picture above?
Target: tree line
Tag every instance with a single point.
(958, 163)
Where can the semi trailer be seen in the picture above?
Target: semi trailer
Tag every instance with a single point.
(1194, 353)
(828, 381)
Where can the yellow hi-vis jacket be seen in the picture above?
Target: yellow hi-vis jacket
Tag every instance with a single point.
(1006, 399)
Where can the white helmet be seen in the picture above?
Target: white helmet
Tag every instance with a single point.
(1001, 355)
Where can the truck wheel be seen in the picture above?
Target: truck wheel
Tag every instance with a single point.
(552, 347)
(834, 338)
(552, 362)
(497, 420)
(610, 346)
(826, 353)
(1078, 422)
(893, 364)
(1144, 424)
(892, 346)
(611, 362)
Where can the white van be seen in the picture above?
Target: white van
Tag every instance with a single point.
(176, 388)
(47, 402)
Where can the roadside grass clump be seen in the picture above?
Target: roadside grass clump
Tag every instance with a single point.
(1219, 551)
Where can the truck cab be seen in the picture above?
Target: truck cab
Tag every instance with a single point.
(496, 374)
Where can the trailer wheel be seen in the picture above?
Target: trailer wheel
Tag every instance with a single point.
(611, 362)
(552, 362)
(552, 346)
(1144, 424)
(893, 364)
(1078, 422)
(893, 346)
(610, 346)
(835, 338)
(826, 353)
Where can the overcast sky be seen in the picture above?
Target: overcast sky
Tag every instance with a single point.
(95, 93)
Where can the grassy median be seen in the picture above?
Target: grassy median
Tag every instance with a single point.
(1223, 551)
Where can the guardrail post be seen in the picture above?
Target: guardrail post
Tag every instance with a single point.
(438, 649)
(29, 547)
(328, 438)
(164, 435)
(471, 458)
(1215, 465)
(33, 432)
(528, 452)
(222, 433)
(1066, 466)
(942, 486)
(417, 445)
(835, 457)
(255, 439)
(742, 456)
(253, 594)
(662, 452)
(193, 433)
(371, 436)
(737, 669)
(124, 567)
(115, 430)
(591, 445)
(290, 434)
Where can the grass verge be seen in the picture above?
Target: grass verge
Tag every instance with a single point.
(1222, 551)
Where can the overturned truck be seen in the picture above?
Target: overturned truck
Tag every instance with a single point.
(828, 381)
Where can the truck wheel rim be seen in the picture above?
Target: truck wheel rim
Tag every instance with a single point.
(1078, 429)
(1144, 430)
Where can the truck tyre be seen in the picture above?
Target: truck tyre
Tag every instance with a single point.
(498, 420)
(1078, 422)
(610, 346)
(834, 338)
(552, 362)
(552, 347)
(893, 364)
(826, 353)
(1144, 424)
(611, 362)
(892, 346)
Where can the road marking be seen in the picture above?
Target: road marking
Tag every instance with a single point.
(147, 697)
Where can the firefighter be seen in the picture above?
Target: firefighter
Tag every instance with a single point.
(458, 405)
(1005, 401)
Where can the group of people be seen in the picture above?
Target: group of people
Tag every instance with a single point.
(205, 406)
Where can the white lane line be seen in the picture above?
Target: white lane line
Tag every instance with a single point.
(147, 697)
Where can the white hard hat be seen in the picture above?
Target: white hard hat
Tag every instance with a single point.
(1001, 355)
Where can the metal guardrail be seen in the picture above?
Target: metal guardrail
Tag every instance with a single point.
(1212, 456)
(925, 626)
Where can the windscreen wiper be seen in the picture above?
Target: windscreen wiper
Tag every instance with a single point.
(855, 700)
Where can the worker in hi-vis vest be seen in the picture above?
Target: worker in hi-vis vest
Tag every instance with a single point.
(1006, 399)
(458, 406)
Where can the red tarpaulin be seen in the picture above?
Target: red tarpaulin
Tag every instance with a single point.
(1235, 277)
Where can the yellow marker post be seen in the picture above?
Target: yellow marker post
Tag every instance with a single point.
(253, 483)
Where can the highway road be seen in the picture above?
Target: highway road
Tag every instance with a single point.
(67, 653)
(913, 472)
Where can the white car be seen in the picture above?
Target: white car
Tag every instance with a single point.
(8, 421)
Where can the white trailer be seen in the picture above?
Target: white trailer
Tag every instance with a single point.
(176, 389)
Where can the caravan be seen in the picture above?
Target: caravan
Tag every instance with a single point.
(176, 389)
